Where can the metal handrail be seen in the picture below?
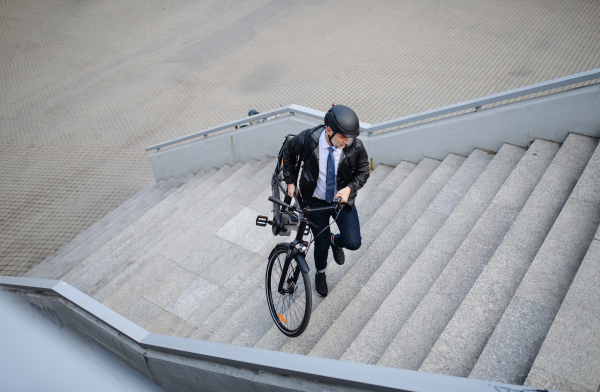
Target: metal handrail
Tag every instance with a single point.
(370, 128)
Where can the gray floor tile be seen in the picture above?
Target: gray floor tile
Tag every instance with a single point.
(184, 330)
(205, 255)
(473, 255)
(139, 284)
(466, 335)
(414, 341)
(554, 268)
(165, 291)
(512, 348)
(540, 379)
(208, 307)
(142, 312)
(574, 336)
(435, 363)
(226, 266)
(191, 298)
(164, 323)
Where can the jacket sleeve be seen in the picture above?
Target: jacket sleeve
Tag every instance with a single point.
(361, 174)
(292, 150)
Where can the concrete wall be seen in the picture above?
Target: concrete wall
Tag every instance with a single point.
(41, 352)
(178, 364)
(171, 372)
(551, 117)
(240, 145)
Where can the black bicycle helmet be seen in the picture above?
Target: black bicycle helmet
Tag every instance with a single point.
(342, 120)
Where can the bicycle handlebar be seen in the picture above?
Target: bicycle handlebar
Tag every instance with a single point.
(281, 203)
(337, 202)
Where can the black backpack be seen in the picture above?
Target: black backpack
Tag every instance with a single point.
(299, 161)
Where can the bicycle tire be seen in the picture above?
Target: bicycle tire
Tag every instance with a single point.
(290, 312)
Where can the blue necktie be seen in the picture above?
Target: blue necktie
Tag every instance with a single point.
(330, 190)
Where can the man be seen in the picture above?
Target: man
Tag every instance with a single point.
(337, 166)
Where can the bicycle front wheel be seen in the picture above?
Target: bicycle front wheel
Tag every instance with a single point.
(290, 309)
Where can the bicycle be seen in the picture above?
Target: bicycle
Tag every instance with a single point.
(287, 284)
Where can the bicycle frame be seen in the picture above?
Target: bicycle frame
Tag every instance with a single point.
(285, 287)
(297, 248)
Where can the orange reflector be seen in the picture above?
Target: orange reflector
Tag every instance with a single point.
(282, 318)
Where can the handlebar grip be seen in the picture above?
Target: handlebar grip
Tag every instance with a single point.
(337, 200)
(281, 203)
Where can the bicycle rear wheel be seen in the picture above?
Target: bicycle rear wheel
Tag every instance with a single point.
(290, 310)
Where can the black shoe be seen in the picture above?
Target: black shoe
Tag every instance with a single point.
(321, 284)
(338, 254)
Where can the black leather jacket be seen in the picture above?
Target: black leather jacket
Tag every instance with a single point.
(353, 168)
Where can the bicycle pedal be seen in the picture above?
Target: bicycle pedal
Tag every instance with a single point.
(262, 220)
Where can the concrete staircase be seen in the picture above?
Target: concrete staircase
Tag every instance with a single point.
(468, 267)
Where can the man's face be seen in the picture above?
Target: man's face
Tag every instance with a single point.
(338, 140)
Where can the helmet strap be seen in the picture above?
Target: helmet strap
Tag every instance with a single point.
(335, 145)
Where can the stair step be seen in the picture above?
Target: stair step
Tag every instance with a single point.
(461, 343)
(77, 257)
(186, 245)
(206, 201)
(48, 268)
(195, 181)
(347, 326)
(97, 270)
(143, 228)
(222, 306)
(514, 344)
(214, 222)
(395, 310)
(376, 177)
(422, 329)
(468, 267)
(243, 305)
(381, 193)
(171, 210)
(273, 339)
(354, 280)
(570, 364)
(114, 239)
(206, 261)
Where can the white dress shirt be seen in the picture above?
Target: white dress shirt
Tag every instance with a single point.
(321, 189)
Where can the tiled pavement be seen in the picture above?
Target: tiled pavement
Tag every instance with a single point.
(85, 86)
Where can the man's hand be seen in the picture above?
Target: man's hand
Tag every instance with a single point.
(291, 190)
(343, 193)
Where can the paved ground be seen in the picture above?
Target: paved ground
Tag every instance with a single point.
(86, 85)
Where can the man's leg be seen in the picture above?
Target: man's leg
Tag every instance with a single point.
(320, 221)
(349, 226)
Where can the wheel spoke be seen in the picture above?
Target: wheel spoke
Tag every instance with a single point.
(293, 305)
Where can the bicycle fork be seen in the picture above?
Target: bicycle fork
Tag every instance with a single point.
(289, 289)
